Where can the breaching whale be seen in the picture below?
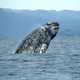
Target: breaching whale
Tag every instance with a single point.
(39, 39)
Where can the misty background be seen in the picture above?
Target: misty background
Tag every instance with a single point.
(17, 23)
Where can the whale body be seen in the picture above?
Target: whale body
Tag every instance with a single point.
(39, 39)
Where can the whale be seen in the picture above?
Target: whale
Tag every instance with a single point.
(38, 40)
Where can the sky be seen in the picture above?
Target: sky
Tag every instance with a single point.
(41, 4)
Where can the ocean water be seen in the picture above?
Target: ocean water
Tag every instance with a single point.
(62, 62)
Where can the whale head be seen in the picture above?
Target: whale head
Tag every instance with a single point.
(53, 28)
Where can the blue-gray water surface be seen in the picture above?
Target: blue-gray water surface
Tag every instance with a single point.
(62, 62)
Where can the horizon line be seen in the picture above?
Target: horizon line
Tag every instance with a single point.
(39, 9)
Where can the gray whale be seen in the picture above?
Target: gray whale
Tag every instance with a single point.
(39, 39)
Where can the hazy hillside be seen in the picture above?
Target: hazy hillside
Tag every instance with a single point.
(16, 23)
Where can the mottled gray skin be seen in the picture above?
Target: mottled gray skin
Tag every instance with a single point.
(38, 41)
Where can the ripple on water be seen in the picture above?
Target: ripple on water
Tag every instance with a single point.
(62, 63)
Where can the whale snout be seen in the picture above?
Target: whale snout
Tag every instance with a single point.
(53, 25)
